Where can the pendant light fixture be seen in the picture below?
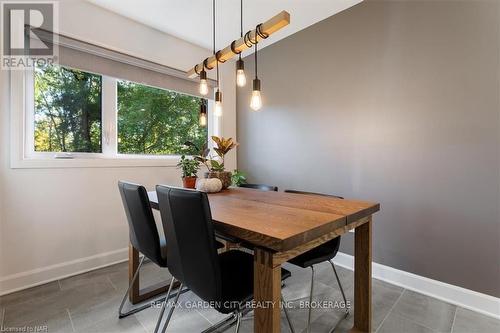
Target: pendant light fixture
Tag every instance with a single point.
(256, 100)
(203, 112)
(241, 79)
(246, 41)
(218, 103)
(218, 93)
(267, 28)
(203, 83)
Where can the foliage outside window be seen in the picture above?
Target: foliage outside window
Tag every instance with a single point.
(67, 113)
(67, 116)
(155, 121)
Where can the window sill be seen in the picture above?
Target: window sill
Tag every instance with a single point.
(99, 162)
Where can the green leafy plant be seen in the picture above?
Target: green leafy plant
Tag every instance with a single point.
(222, 147)
(216, 166)
(202, 153)
(238, 178)
(188, 166)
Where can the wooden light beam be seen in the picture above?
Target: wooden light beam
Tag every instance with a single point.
(269, 27)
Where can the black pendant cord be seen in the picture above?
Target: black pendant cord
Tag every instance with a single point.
(261, 34)
(241, 24)
(256, 60)
(216, 58)
(213, 27)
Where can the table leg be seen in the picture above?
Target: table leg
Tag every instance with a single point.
(137, 294)
(363, 278)
(267, 291)
(133, 264)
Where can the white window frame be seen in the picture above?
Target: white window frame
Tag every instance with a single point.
(22, 132)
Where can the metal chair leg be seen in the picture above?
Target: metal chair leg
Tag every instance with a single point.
(135, 310)
(238, 322)
(224, 324)
(340, 286)
(172, 308)
(310, 301)
(163, 306)
(286, 314)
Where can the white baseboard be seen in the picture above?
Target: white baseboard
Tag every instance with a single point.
(465, 298)
(35, 277)
(472, 300)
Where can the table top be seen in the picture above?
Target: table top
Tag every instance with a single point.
(280, 221)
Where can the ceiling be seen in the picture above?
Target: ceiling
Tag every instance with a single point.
(192, 20)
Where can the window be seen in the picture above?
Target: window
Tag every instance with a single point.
(71, 113)
(67, 113)
(155, 121)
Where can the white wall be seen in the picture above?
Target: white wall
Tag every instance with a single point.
(56, 222)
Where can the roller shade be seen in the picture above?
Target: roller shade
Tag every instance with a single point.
(99, 60)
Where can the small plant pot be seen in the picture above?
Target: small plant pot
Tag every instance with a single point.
(189, 182)
(224, 176)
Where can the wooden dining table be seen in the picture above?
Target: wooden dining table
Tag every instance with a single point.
(281, 226)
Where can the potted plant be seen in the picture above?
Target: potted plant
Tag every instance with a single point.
(215, 166)
(238, 178)
(189, 169)
(216, 170)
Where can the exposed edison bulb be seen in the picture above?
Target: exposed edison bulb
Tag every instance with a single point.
(218, 104)
(203, 114)
(203, 83)
(218, 109)
(256, 101)
(241, 79)
(203, 120)
(203, 87)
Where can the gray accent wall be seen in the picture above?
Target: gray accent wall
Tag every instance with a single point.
(395, 102)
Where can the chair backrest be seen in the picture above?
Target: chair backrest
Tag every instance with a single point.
(191, 252)
(142, 227)
(313, 193)
(262, 187)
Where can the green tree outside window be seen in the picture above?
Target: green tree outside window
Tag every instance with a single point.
(67, 110)
(151, 121)
(155, 121)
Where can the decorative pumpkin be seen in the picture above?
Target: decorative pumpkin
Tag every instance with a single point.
(224, 176)
(209, 185)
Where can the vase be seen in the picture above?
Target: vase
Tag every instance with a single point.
(189, 182)
(223, 176)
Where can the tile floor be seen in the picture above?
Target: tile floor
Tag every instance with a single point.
(89, 303)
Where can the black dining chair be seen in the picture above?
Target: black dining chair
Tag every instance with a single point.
(224, 280)
(322, 253)
(143, 233)
(262, 187)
